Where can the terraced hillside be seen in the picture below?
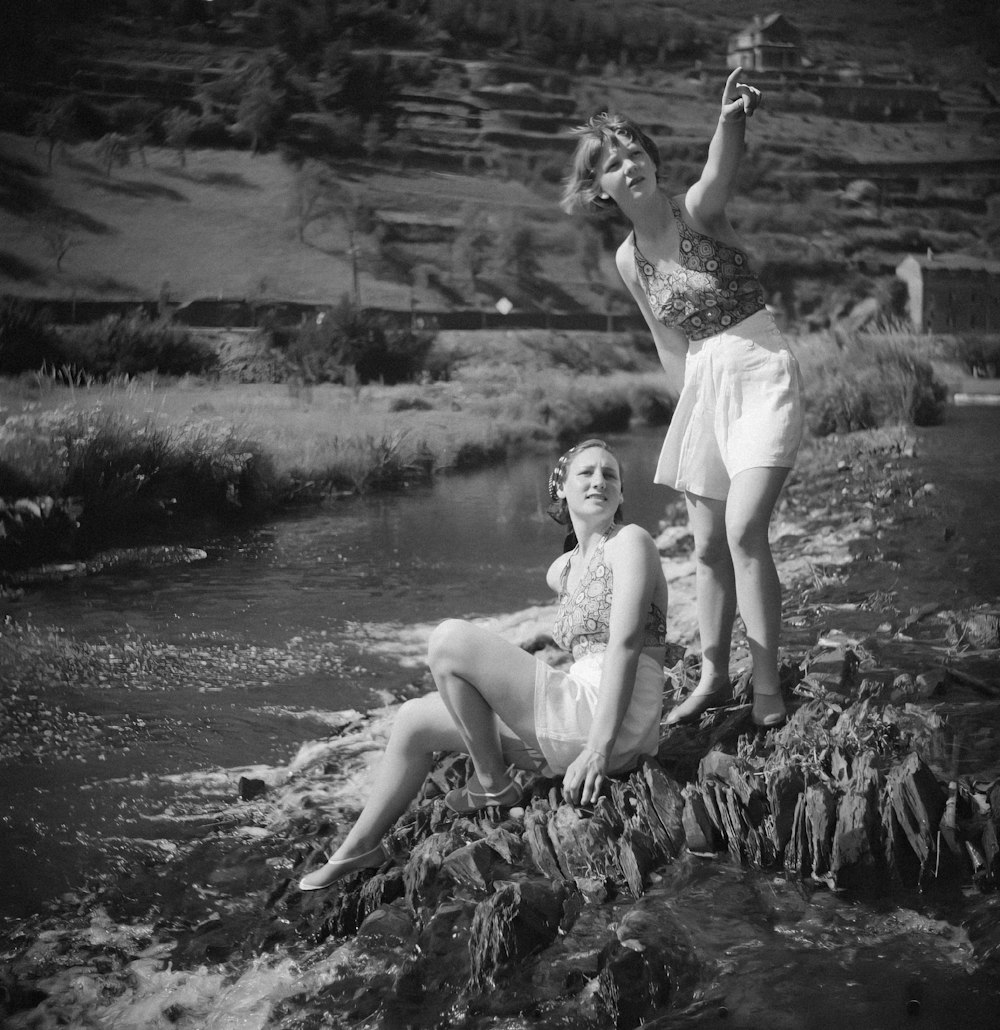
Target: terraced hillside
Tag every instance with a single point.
(445, 197)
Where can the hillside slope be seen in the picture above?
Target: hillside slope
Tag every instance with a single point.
(225, 223)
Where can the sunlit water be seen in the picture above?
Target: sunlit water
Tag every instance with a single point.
(316, 612)
(342, 591)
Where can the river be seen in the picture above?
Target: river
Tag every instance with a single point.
(238, 658)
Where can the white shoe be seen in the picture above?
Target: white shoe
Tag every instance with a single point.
(337, 868)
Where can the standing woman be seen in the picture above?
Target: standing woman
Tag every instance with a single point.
(738, 423)
(504, 707)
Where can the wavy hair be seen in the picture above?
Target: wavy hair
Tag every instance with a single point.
(580, 188)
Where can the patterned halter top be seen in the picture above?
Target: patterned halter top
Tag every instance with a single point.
(583, 619)
(711, 288)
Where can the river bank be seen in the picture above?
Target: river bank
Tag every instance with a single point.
(884, 575)
(86, 467)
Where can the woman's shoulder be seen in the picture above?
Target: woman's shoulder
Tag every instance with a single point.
(632, 538)
(625, 257)
(554, 574)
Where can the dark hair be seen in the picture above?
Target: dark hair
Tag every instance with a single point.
(557, 509)
(580, 189)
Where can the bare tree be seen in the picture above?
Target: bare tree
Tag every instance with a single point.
(58, 241)
(178, 127)
(319, 196)
(473, 243)
(114, 148)
(313, 191)
(55, 123)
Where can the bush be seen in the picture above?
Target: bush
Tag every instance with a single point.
(122, 479)
(350, 341)
(27, 341)
(864, 386)
(136, 344)
(653, 405)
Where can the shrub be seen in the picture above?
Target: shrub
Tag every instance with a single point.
(352, 338)
(27, 341)
(857, 385)
(653, 405)
(123, 478)
(410, 404)
(136, 344)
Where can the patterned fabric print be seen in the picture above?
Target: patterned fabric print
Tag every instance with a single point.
(582, 623)
(713, 288)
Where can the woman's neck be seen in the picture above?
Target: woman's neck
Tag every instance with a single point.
(652, 219)
(589, 536)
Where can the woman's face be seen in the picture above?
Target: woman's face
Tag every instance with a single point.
(624, 171)
(592, 485)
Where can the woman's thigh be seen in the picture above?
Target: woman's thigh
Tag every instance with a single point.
(502, 672)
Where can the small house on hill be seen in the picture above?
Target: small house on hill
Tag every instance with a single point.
(767, 44)
(952, 293)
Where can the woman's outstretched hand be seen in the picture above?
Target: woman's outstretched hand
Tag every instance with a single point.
(583, 780)
(738, 99)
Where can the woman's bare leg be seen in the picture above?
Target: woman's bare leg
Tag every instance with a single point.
(422, 726)
(716, 603)
(752, 497)
(482, 679)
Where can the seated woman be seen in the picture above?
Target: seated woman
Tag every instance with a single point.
(505, 708)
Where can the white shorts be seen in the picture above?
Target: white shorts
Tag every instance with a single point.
(740, 408)
(564, 711)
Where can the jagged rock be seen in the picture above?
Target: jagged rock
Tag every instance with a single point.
(536, 834)
(784, 788)
(583, 846)
(821, 814)
(390, 924)
(666, 801)
(916, 803)
(250, 789)
(476, 865)
(517, 920)
(976, 629)
(831, 668)
(699, 827)
(858, 842)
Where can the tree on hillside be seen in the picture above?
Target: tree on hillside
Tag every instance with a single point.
(178, 128)
(113, 148)
(319, 196)
(55, 123)
(314, 191)
(472, 246)
(516, 252)
(58, 241)
(259, 108)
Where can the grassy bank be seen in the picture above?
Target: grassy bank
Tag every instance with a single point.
(90, 466)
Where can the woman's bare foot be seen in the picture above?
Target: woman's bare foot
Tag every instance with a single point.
(768, 710)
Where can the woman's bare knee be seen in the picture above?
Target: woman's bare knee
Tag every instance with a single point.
(712, 551)
(748, 540)
(424, 723)
(448, 641)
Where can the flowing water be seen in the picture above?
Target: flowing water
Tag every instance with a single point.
(236, 659)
